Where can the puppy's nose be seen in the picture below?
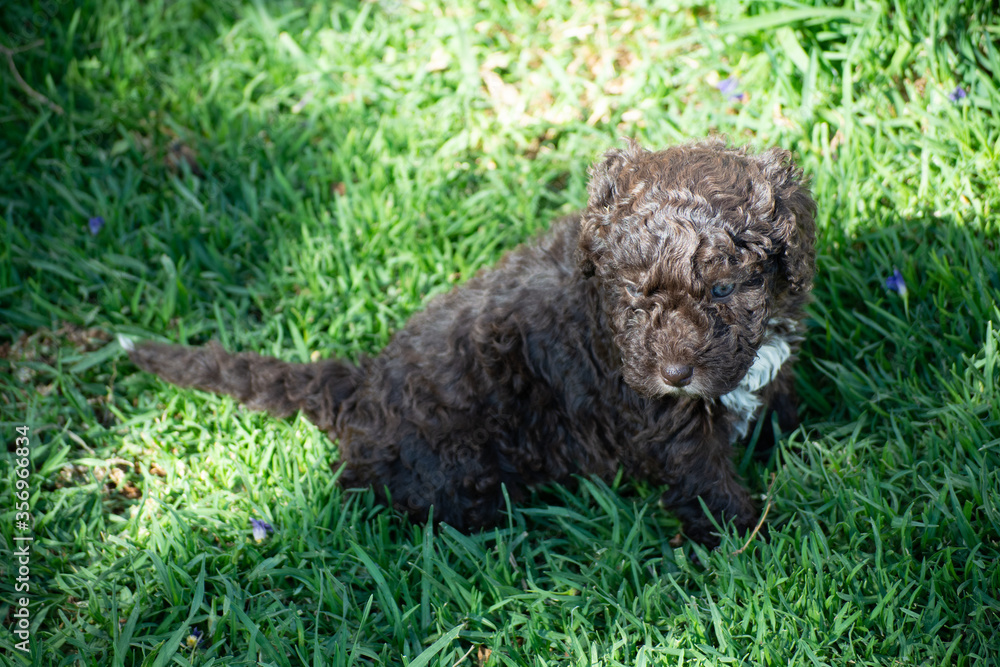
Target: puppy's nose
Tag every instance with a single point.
(678, 376)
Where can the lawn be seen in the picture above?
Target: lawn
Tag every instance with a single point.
(298, 178)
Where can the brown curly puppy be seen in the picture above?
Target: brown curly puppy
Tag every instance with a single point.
(646, 332)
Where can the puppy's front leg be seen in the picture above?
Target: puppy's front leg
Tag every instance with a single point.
(704, 470)
(780, 400)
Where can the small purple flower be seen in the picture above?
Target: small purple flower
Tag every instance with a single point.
(95, 224)
(194, 639)
(957, 94)
(260, 529)
(730, 88)
(896, 283)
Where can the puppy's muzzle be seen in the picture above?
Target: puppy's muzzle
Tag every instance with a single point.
(677, 375)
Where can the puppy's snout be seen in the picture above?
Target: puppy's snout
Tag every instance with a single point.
(677, 375)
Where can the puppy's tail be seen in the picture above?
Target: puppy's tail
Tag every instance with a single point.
(262, 383)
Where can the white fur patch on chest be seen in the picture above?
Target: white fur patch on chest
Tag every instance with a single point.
(743, 401)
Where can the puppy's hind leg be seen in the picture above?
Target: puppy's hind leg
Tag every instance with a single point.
(262, 383)
(463, 484)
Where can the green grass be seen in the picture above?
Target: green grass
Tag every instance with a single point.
(301, 178)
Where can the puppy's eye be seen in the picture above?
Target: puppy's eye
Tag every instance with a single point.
(633, 291)
(723, 291)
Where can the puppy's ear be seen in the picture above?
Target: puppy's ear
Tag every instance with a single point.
(794, 217)
(605, 173)
(603, 191)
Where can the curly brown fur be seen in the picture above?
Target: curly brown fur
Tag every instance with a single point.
(600, 345)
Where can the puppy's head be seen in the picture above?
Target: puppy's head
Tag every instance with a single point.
(696, 248)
